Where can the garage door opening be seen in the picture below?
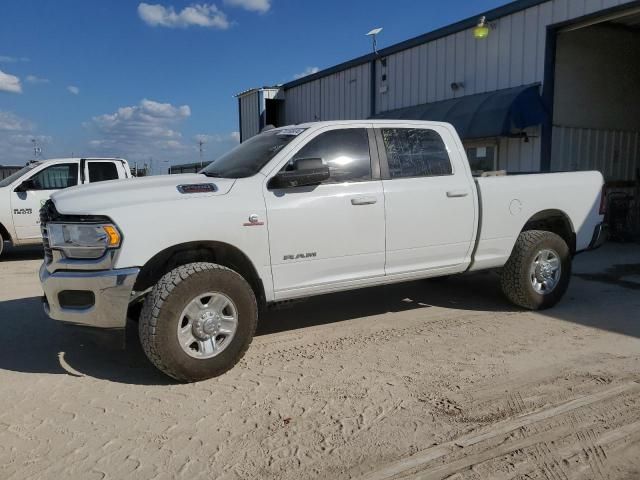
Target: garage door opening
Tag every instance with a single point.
(596, 101)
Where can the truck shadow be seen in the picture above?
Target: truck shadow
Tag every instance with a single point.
(32, 343)
(15, 254)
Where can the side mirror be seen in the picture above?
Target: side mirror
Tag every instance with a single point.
(307, 171)
(26, 186)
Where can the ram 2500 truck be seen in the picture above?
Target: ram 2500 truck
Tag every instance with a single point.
(298, 211)
(23, 193)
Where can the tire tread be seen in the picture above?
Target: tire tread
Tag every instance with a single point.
(153, 306)
(514, 284)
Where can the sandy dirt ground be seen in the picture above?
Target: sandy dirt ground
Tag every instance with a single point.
(424, 380)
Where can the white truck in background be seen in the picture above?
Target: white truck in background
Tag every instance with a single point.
(298, 211)
(24, 192)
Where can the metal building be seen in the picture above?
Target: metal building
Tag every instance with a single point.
(555, 85)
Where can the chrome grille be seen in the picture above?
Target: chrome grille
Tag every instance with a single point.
(47, 213)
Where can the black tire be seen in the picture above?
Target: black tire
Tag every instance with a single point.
(1, 244)
(164, 304)
(516, 280)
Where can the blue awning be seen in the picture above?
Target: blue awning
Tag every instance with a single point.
(492, 114)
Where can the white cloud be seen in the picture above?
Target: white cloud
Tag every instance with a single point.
(233, 137)
(9, 83)
(307, 71)
(16, 135)
(34, 80)
(138, 132)
(73, 89)
(10, 122)
(7, 59)
(261, 6)
(202, 15)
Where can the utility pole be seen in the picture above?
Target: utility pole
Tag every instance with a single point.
(36, 149)
(200, 144)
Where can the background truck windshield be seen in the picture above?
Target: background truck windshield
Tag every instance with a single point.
(11, 178)
(249, 157)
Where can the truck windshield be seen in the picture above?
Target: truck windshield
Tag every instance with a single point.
(14, 176)
(249, 157)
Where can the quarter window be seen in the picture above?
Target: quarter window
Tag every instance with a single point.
(55, 177)
(344, 151)
(102, 171)
(415, 152)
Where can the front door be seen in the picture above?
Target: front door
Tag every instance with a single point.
(332, 234)
(25, 206)
(430, 205)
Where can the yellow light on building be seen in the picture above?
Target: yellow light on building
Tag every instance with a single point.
(482, 29)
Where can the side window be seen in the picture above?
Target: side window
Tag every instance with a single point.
(102, 171)
(415, 152)
(55, 177)
(345, 151)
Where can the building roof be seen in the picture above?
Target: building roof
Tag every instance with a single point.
(470, 22)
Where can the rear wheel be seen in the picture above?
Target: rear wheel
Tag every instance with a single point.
(537, 274)
(1, 244)
(198, 321)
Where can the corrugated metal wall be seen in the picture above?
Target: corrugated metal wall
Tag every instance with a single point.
(615, 153)
(249, 114)
(512, 55)
(343, 95)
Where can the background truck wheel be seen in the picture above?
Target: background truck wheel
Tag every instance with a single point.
(198, 321)
(537, 274)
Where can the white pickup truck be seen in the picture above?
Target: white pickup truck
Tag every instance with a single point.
(23, 193)
(299, 211)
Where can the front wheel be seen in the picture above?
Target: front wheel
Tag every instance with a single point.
(537, 274)
(198, 321)
(1, 244)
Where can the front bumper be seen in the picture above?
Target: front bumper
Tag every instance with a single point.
(108, 291)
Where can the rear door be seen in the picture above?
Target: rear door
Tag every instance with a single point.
(25, 206)
(331, 234)
(429, 203)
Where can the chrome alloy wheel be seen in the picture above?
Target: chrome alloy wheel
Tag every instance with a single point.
(207, 325)
(545, 271)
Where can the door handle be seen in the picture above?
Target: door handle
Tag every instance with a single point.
(363, 200)
(457, 193)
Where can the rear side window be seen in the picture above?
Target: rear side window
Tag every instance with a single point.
(345, 152)
(55, 177)
(102, 171)
(415, 152)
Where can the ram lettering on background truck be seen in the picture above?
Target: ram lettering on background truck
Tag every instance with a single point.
(23, 193)
(300, 211)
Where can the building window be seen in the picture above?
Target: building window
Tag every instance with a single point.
(415, 152)
(483, 157)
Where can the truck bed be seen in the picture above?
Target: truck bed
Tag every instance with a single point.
(508, 202)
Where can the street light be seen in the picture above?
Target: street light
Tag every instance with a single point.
(373, 33)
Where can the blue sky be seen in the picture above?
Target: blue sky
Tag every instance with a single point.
(145, 79)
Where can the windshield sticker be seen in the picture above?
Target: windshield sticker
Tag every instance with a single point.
(291, 131)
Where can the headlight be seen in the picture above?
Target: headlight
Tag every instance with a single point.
(79, 240)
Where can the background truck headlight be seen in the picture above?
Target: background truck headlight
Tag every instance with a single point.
(77, 240)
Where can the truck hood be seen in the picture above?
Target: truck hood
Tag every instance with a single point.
(95, 198)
